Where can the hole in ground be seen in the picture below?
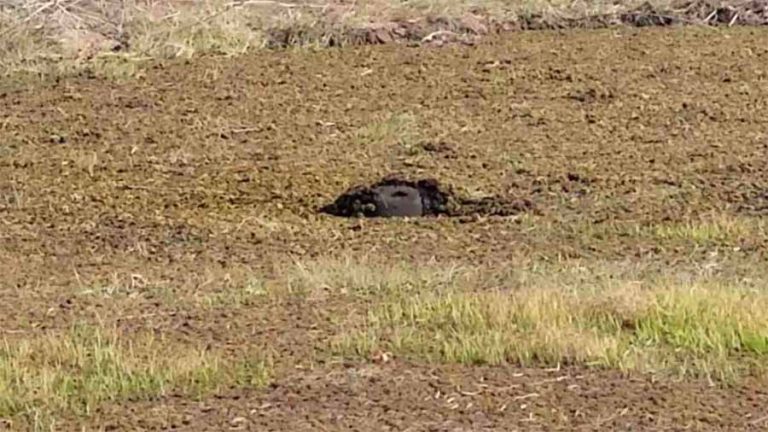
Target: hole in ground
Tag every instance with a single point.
(394, 196)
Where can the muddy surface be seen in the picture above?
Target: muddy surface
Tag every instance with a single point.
(176, 182)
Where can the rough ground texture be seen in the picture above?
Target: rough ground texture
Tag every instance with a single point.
(86, 29)
(476, 22)
(173, 184)
(398, 197)
(411, 397)
(392, 196)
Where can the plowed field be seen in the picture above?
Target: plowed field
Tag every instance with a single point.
(126, 203)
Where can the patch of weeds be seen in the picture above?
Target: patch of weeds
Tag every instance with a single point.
(354, 278)
(253, 371)
(48, 374)
(394, 130)
(717, 231)
(246, 294)
(228, 34)
(717, 329)
(722, 229)
(482, 328)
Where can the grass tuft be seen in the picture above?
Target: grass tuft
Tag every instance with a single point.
(394, 131)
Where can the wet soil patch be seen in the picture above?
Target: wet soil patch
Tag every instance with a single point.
(394, 196)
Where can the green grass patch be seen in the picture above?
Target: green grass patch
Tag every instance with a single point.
(700, 327)
(250, 292)
(73, 372)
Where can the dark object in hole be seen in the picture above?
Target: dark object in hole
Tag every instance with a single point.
(391, 197)
(397, 197)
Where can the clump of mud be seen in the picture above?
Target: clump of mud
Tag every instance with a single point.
(397, 197)
(393, 196)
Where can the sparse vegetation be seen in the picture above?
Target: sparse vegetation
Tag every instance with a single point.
(396, 130)
(349, 277)
(712, 328)
(249, 292)
(47, 374)
(165, 252)
(712, 231)
(113, 38)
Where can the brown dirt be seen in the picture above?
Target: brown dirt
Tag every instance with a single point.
(395, 196)
(184, 180)
(404, 396)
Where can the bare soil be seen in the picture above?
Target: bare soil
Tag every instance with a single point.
(413, 397)
(180, 182)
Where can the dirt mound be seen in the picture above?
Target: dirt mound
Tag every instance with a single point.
(397, 197)
(392, 196)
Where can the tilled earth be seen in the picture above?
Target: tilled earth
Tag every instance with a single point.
(412, 397)
(196, 172)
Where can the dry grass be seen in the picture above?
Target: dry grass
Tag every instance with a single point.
(113, 37)
(595, 315)
(395, 130)
(45, 375)
(712, 230)
(350, 277)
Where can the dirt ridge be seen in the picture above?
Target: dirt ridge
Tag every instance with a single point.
(469, 28)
